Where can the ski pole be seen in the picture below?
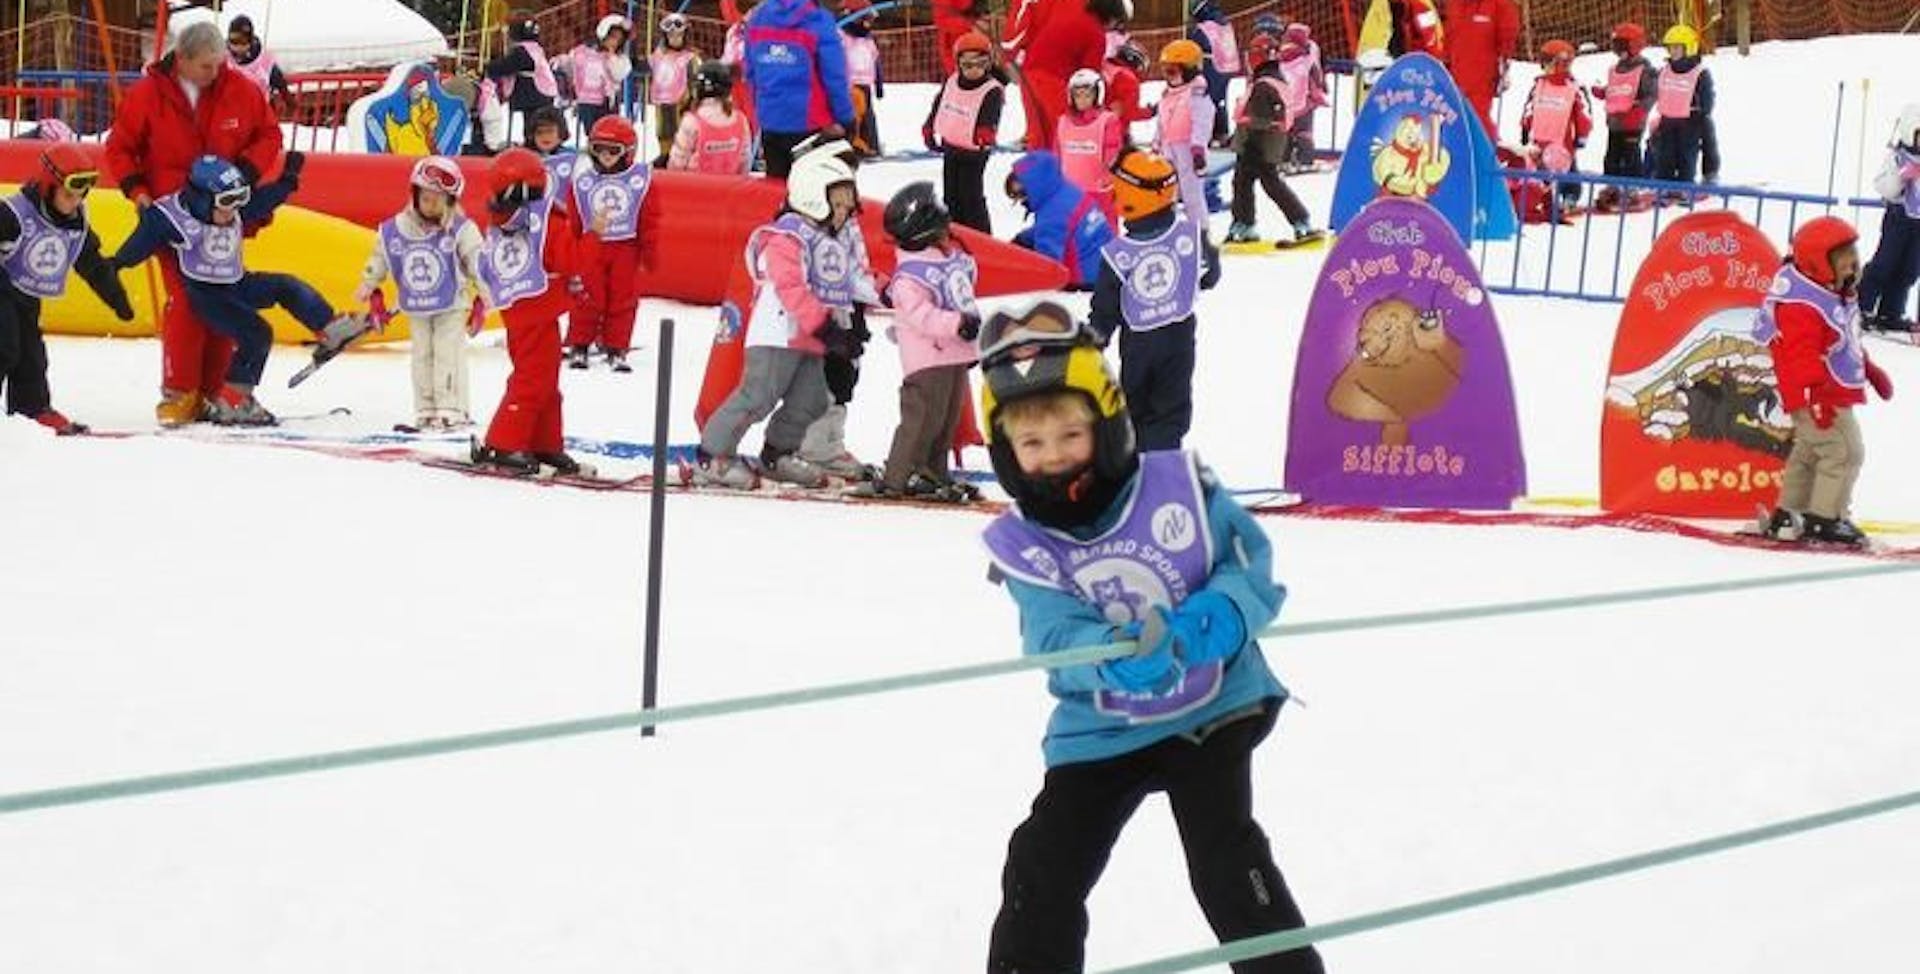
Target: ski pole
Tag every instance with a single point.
(657, 519)
(1833, 158)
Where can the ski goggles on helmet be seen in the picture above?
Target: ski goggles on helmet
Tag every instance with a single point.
(80, 182)
(433, 177)
(516, 196)
(673, 23)
(233, 199)
(1007, 337)
(615, 149)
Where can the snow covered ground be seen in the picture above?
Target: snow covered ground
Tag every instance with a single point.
(167, 603)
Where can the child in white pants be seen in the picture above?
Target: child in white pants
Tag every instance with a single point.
(430, 249)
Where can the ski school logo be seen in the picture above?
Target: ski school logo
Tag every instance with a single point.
(612, 199)
(512, 256)
(1155, 277)
(222, 243)
(423, 270)
(829, 260)
(1173, 527)
(48, 256)
(959, 291)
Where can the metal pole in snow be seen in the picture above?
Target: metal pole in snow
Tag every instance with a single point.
(1860, 156)
(1833, 158)
(657, 519)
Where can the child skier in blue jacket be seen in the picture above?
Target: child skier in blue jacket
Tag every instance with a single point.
(206, 223)
(1068, 225)
(1108, 545)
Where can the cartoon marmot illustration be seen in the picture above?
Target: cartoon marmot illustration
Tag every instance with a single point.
(1404, 366)
(1411, 162)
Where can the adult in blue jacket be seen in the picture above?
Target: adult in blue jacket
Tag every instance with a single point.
(797, 68)
(1068, 225)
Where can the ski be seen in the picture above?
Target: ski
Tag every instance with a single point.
(1317, 240)
(546, 475)
(324, 353)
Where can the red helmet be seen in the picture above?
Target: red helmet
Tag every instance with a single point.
(1814, 245)
(516, 178)
(973, 42)
(612, 131)
(65, 163)
(1261, 51)
(1632, 35)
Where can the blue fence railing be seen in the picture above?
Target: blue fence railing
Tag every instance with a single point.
(88, 114)
(1594, 257)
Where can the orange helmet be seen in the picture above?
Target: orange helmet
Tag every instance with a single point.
(1184, 53)
(1814, 245)
(973, 42)
(1631, 37)
(1556, 51)
(65, 164)
(1143, 184)
(516, 178)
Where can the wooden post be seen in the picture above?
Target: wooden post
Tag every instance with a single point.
(1743, 25)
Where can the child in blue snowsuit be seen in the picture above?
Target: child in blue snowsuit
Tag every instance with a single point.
(1106, 544)
(1896, 261)
(1153, 313)
(206, 222)
(1067, 223)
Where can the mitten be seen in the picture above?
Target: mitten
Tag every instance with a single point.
(969, 326)
(926, 136)
(1200, 159)
(1822, 414)
(1877, 378)
(123, 309)
(983, 136)
(476, 317)
(1154, 670)
(1204, 628)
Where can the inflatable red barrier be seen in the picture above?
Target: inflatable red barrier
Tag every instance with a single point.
(1692, 425)
(694, 227)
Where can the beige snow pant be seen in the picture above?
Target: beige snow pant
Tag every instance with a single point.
(1824, 465)
(440, 365)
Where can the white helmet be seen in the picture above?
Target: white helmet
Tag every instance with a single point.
(813, 174)
(609, 23)
(673, 21)
(440, 174)
(1087, 78)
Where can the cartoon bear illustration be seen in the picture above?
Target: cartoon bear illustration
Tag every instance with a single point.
(1404, 366)
(1411, 162)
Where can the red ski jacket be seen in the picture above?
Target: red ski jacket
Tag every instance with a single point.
(157, 134)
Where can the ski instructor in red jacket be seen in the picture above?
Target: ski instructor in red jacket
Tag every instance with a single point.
(1049, 40)
(189, 104)
(1481, 36)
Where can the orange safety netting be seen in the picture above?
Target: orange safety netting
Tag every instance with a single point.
(1587, 20)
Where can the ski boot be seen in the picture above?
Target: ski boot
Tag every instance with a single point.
(727, 472)
(1304, 233)
(61, 425)
(789, 468)
(1607, 200)
(234, 405)
(825, 447)
(177, 408)
(564, 465)
(511, 461)
(1783, 525)
(577, 356)
(1834, 530)
(1243, 233)
(617, 358)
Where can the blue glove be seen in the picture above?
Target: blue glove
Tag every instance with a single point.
(1206, 627)
(1155, 671)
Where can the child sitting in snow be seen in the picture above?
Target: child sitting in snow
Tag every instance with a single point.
(1068, 225)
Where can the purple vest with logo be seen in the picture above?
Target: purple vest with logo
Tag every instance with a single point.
(830, 262)
(619, 194)
(512, 262)
(1910, 194)
(560, 166)
(1159, 552)
(426, 269)
(209, 254)
(44, 253)
(1846, 361)
(1159, 276)
(948, 278)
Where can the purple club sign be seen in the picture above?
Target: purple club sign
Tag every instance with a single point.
(1401, 392)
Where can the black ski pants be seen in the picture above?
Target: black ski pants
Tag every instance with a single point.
(1895, 265)
(1058, 853)
(1156, 373)
(23, 354)
(1624, 155)
(1252, 165)
(963, 177)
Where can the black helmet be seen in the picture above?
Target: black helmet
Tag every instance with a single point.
(915, 218)
(1133, 56)
(713, 79)
(1042, 350)
(524, 29)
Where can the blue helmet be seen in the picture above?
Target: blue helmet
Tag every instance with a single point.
(1269, 24)
(213, 180)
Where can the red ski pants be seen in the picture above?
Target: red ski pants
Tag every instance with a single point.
(1045, 96)
(192, 357)
(603, 314)
(529, 415)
